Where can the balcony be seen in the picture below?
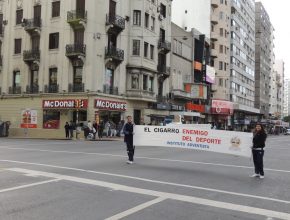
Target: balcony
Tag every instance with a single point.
(161, 99)
(110, 90)
(74, 51)
(51, 88)
(76, 87)
(32, 26)
(180, 94)
(115, 23)
(77, 19)
(214, 19)
(215, 3)
(32, 89)
(188, 79)
(213, 53)
(30, 56)
(163, 70)
(164, 46)
(14, 90)
(214, 36)
(136, 94)
(114, 54)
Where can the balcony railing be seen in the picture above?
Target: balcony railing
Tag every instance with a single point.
(75, 50)
(162, 69)
(32, 89)
(117, 22)
(31, 24)
(77, 18)
(164, 45)
(140, 94)
(110, 90)
(161, 99)
(76, 87)
(51, 88)
(31, 55)
(14, 90)
(114, 53)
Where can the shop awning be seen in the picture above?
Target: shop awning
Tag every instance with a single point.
(192, 114)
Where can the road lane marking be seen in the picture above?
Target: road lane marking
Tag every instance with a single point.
(165, 195)
(136, 209)
(157, 182)
(28, 185)
(147, 158)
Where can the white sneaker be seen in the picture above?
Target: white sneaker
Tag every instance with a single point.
(129, 162)
(262, 177)
(255, 175)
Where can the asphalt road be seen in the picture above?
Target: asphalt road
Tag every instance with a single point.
(84, 180)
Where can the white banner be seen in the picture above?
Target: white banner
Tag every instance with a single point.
(194, 137)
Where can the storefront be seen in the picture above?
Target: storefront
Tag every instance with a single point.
(221, 114)
(57, 112)
(108, 110)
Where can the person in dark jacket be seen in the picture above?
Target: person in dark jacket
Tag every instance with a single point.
(66, 128)
(259, 140)
(128, 131)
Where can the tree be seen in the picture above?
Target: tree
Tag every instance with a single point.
(287, 118)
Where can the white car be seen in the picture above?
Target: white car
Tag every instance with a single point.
(287, 131)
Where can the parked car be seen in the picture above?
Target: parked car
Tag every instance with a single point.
(287, 131)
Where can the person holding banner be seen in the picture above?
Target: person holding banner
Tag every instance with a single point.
(259, 140)
(128, 139)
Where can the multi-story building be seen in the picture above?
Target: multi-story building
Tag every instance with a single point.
(286, 102)
(78, 60)
(233, 56)
(264, 59)
(278, 104)
(190, 80)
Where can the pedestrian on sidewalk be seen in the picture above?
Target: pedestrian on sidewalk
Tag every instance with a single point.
(259, 140)
(71, 129)
(128, 139)
(66, 128)
(101, 130)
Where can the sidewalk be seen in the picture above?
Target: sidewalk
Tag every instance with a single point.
(64, 139)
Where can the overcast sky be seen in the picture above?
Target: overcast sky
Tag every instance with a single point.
(279, 13)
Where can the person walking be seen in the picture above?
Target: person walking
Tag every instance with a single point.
(66, 128)
(71, 129)
(128, 139)
(259, 140)
(95, 129)
(101, 130)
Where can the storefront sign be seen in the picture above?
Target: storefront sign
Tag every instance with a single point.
(210, 74)
(68, 103)
(28, 118)
(110, 105)
(222, 107)
(194, 137)
(195, 107)
(197, 91)
(177, 107)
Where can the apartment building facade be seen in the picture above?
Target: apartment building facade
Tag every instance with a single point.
(286, 106)
(80, 60)
(264, 59)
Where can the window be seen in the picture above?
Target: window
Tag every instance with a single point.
(137, 17)
(152, 23)
(19, 16)
(151, 52)
(53, 40)
(78, 76)
(221, 1)
(221, 48)
(146, 45)
(145, 82)
(53, 76)
(221, 32)
(163, 10)
(55, 9)
(51, 119)
(151, 81)
(220, 82)
(220, 65)
(136, 48)
(17, 46)
(135, 81)
(221, 17)
(225, 66)
(16, 79)
(146, 20)
(109, 78)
